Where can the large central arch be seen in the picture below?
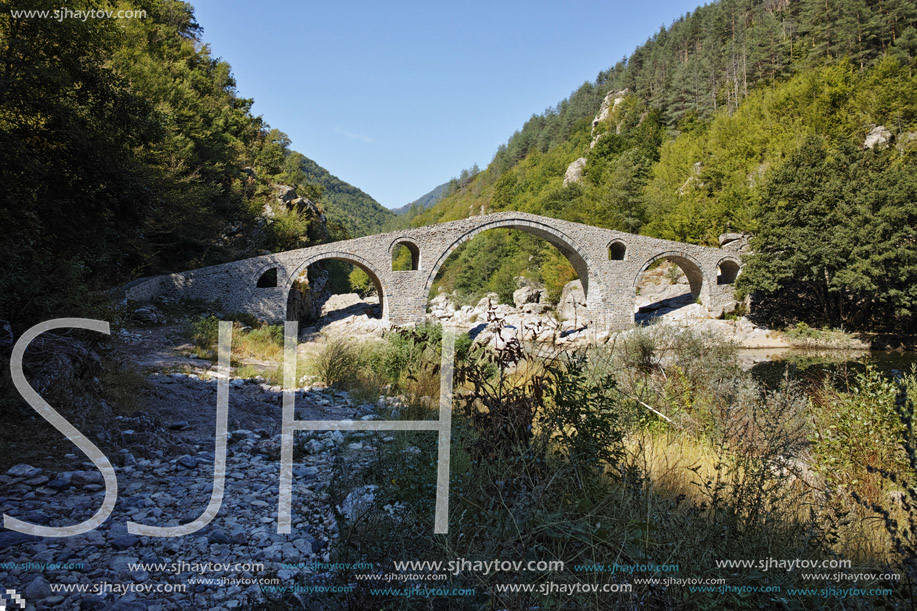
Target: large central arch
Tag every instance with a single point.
(563, 242)
(347, 257)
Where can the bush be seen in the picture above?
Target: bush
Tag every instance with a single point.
(583, 416)
(858, 430)
(205, 332)
(548, 462)
(338, 362)
(263, 342)
(902, 529)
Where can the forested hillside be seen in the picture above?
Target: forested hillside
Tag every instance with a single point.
(427, 200)
(407, 213)
(359, 213)
(126, 150)
(712, 117)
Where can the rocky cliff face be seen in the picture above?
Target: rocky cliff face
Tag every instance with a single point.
(309, 294)
(311, 290)
(286, 198)
(606, 112)
(610, 102)
(574, 171)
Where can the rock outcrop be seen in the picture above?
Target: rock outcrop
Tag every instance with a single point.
(572, 298)
(309, 294)
(878, 136)
(737, 242)
(610, 102)
(287, 199)
(529, 294)
(574, 172)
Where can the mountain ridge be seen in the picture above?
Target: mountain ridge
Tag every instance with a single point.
(425, 201)
(347, 204)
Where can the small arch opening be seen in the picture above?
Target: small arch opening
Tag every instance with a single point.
(729, 271)
(405, 257)
(617, 251)
(268, 280)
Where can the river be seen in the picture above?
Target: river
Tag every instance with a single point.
(811, 366)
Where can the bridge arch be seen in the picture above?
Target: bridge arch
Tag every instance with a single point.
(688, 264)
(617, 250)
(728, 269)
(569, 247)
(268, 275)
(374, 275)
(412, 247)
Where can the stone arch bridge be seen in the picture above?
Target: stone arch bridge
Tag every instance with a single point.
(608, 263)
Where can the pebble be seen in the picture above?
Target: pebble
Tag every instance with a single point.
(37, 590)
(159, 489)
(187, 462)
(23, 470)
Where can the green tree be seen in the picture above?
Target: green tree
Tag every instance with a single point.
(838, 239)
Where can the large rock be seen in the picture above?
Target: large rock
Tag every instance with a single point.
(287, 198)
(490, 300)
(38, 589)
(575, 171)
(341, 301)
(358, 502)
(441, 306)
(528, 294)
(310, 293)
(572, 300)
(878, 136)
(441, 300)
(285, 194)
(737, 242)
(148, 315)
(536, 308)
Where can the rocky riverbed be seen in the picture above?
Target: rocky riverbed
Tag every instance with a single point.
(663, 296)
(164, 466)
(164, 455)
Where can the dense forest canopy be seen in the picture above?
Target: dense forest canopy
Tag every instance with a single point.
(711, 109)
(126, 150)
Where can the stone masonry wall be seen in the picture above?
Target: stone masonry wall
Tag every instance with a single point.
(609, 283)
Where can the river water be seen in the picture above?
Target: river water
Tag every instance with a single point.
(811, 366)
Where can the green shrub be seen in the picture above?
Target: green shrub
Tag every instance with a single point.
(857, 428)
(338, 362)
(583, 415)
(205, 333)
(263, 342)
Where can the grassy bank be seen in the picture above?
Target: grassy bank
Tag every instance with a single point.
(654, 450)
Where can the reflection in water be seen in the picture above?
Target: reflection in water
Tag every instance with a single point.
(810, 367)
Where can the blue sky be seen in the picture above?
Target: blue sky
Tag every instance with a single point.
(398, 97)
